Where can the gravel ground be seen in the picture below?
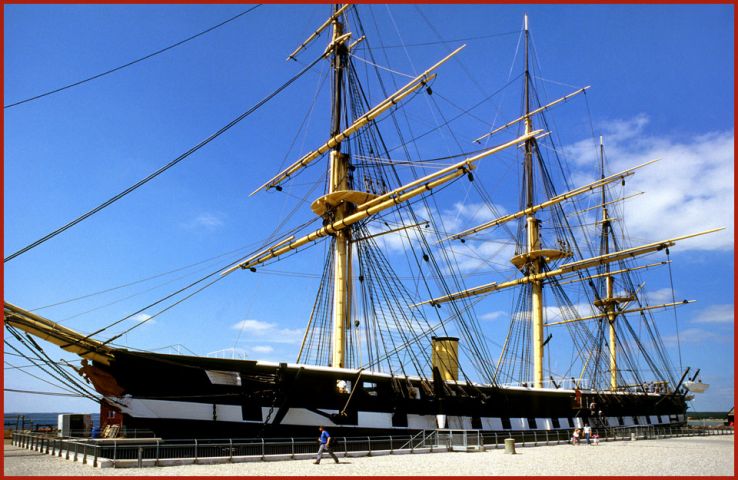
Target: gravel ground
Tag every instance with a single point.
(677, 456)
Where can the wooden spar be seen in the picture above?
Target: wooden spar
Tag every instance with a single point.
(339, 40)
(450, 168)
(349, 220)
(616, 272)
(412, 86)
(528, 115)
(319, 30)
(566, 268)
(393, 230)
(630, 252)
(552, 201)
(64, 337)
(383, 202)
(356, 42)
(269, 249)
(632, 310)
(621, 199)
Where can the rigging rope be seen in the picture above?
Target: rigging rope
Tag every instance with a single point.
(674, 308)
(166, 167)
(57, 394)
(133, 62)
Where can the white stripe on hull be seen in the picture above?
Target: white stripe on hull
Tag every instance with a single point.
(179, 410)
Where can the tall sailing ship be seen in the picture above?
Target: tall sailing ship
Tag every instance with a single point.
(378, 357)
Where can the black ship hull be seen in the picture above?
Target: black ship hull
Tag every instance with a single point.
(187, 397)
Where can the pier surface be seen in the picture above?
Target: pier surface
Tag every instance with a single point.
(676, 456)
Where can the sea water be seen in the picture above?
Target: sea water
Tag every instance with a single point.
(40, 419)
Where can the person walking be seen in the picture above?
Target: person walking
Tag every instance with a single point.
(587, 433)
(325, 445)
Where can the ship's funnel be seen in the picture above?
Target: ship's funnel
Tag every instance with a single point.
(446, 356)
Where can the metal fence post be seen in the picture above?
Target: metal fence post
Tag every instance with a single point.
(140, 457)
(262, 449)
(94, 460)
(84, 455)
(115, 451)
(262, 441)
(391, 449)
(345, 448)
(292, 442)
(75, 451)
(156, 460)
(369, 441)
(230, 449)
(546, 437)
(535, 439)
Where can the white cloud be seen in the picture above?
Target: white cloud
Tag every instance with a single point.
(694, 336)
(262, 349)
(142, 317)
(554, 313)
(716, 314)
(261, 332)
(689, 190)
(253, 326)
(493, 315)
(206, 221)
(662, 295)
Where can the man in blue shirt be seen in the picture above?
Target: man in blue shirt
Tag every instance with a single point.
(325, 445)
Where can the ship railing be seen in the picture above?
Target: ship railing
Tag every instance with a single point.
(152, 452)
(557, 383)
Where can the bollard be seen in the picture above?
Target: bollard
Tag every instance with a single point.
(510, 446)
(632, 437)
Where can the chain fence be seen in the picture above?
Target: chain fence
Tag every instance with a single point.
(138, 452)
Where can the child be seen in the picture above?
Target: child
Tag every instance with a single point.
(575, 437)
(595, 439)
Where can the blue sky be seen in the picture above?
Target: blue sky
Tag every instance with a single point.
(662, 87)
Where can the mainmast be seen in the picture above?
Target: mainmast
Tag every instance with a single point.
(340, 181)
(533, 244)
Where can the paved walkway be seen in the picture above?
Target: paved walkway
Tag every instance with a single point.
(677, 456)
